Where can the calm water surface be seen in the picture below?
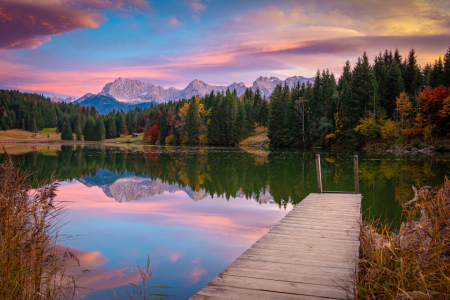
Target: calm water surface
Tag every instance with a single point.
(195, 210)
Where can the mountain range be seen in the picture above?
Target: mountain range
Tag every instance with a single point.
(125, 94)
(56, 98)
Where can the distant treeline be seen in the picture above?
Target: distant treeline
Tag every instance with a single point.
(387, 100)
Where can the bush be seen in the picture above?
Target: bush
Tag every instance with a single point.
(389, 130)
(413, 262)
(170, 140)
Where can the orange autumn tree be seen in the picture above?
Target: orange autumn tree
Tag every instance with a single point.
(433, 111)
(404, 106)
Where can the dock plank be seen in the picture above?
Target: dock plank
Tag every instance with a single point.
(309, 254)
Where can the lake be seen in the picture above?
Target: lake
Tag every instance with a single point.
(195, 210)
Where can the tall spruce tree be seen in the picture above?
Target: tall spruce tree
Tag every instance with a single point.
(446, 76)
(437, 74)
(99, 130)
(277, 111)
(66, 133)
(192, 123)
(78, 132)
(393, 89)
(89, 129)
(111, 132)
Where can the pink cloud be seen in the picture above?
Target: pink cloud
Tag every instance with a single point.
(196, 6)
(173, 22)
(195, 274)
(173, 257)
(27, 24)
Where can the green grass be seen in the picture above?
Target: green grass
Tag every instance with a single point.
(48, 131)
(127, 139)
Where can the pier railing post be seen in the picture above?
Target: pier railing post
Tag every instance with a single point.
(356, 175)
(319, 174)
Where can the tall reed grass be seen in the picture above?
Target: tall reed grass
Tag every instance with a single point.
(414, 261)
(32, 264)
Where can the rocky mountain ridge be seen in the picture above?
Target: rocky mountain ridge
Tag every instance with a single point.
(56, 98)
(132, 91)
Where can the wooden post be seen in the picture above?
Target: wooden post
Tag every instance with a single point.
(319, 174)
(356, 175)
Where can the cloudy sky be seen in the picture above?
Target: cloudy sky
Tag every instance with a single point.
(72, 47)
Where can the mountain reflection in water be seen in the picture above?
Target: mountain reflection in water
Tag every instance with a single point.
(238, 196)
(129, 188)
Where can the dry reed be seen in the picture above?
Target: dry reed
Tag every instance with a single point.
(144, 292)
(414, 261)
(32, 264)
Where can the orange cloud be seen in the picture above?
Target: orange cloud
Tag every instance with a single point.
(27, 23)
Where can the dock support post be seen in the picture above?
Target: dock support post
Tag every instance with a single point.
(319, 174)
(356, 175)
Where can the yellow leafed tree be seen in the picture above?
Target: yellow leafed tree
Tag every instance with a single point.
(404, 106)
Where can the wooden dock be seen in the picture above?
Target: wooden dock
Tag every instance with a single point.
(309, 254)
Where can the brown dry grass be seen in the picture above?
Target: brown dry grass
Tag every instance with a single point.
(17, 149)
(256, 138)
(32, 264)
(47, 134)
(414, 261)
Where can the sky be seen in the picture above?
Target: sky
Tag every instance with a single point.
(74, 47)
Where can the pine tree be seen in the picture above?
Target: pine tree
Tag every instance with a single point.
(33, 127)
(398, 57)
(120, 124)
(99, 133)
(412, 81)
(111, 133)
(89, 129)
(78, 132)
(437, 74)
(66, 133)
(241, 121)
(380, 72)
(192, 123)
(277, 112)
(363, 84)
(163, 128)
(446, 75)
(393, 89)
(263, 113)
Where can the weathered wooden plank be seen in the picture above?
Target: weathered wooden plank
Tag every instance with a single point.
(339, 274)
(300, 248)
(317, 209)
(211, 292)
(313, 239)
(300, 261)
(322, 218)
(320, 227)
(288, 255)
(334, 224)
(309, 254)
(280, 286)
(309, 242)
(317, 233)
(300, 277)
